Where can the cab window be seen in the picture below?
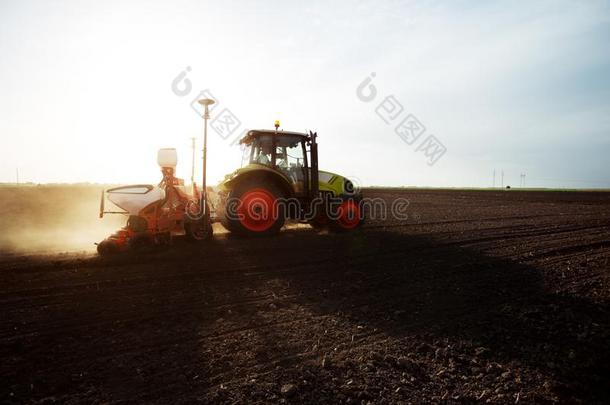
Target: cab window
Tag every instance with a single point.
(261, 151)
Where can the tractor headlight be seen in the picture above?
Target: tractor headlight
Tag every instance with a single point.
(348, 187)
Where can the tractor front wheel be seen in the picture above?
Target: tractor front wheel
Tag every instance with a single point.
(350, 216)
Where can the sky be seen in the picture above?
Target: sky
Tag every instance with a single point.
(91, 90)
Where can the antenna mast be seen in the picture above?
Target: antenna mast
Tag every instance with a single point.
(205, 102)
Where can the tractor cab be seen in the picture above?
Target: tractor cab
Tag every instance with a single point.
(288, 153)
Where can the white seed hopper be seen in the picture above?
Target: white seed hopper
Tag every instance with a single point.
(134, 198)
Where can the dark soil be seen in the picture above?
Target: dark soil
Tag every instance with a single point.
(479, 296)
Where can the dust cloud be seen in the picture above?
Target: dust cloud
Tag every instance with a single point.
(53, 218)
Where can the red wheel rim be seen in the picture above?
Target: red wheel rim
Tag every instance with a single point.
(349, 214)
(257, 210)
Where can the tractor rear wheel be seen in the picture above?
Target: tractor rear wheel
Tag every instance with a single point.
(253, 209)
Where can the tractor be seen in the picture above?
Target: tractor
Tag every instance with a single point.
(281, 181)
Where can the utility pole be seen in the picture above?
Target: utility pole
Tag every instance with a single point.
(17, 171)
(502, 183)
(494, 182)
(193, 162)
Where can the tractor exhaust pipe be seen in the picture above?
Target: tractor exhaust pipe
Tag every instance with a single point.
(314, 164)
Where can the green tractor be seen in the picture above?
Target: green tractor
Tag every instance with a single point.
(280, 181)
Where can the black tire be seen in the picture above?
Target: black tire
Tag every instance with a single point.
(163, 240)
(140, 242)
(106, 248)
(194, 232)
(244, 227)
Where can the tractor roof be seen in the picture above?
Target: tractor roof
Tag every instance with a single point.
(255, 133)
